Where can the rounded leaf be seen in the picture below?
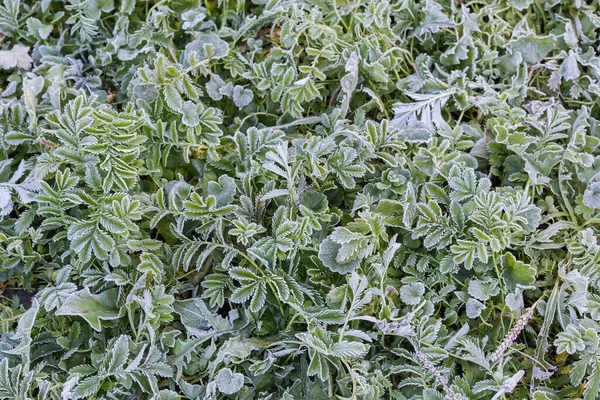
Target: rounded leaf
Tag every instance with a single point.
(229, 382)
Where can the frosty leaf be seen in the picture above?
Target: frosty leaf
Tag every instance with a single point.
(192, 18)
(412, 293)
(591, 196)
(569, 69)
(206, 45)
(344, 164)
(514, 300)
(38, 29)
(435, 19)
(190, 113)
(26, 189)
(570, 341)
(418, 132)
(242, 96)
(23, 333)
(474, 308)
(197, 318)
(232, 193)
(173, 98)
(91, 307)
(483, 289)
(521, 4)
(328, 252)
(533, 48)
(515, 272)
(347, 349)
(229, 382)
(223, 190)
(350, 80)
(214, 86)
(95, 7)
(17, 57)
(426, 110)
(54, 297)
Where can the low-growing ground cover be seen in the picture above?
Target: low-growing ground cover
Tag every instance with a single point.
(299, 199)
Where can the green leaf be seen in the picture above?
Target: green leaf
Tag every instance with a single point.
(515, 272)
(345, 349)
(474, 308)
(592, 387)
(197, 318)
(173, 98)
(533, 48)
(206, 45)
(591, 196)
(150, 263)
(92, 307)
(412, 293)
(54, 297)
(569, 69)
(224, 190)
(328, 252)
(229, 382)
(570, 341)
(483, 289)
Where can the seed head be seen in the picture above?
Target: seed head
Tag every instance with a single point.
(438, 376)
(510, 338)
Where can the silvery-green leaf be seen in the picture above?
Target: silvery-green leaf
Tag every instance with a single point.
(516, 272)
(483, 289)
(166, 394)
(191, 390)
(412, 293)
(350, 80)
(5, 201)
(328, 252)
(229, 382)
(197, 318)
(346, 349)
(17, 57)
(92, 307)
(94, 8)
(213, 87)
(426, 110)
(417, 132)
(173, 98)
(224, 190)
(435, 19)
(192, 18)
(569, 69)
(474, 308)
(190, 114)
(514, 300)
(206, 45)
(432, 394)
(570, 37)
(591, 196)
(533, 48)
(521, 4)
(53, 297)
(23, 333)
(242, 96)
(570, 341)
(37, 28)
(540, 374)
